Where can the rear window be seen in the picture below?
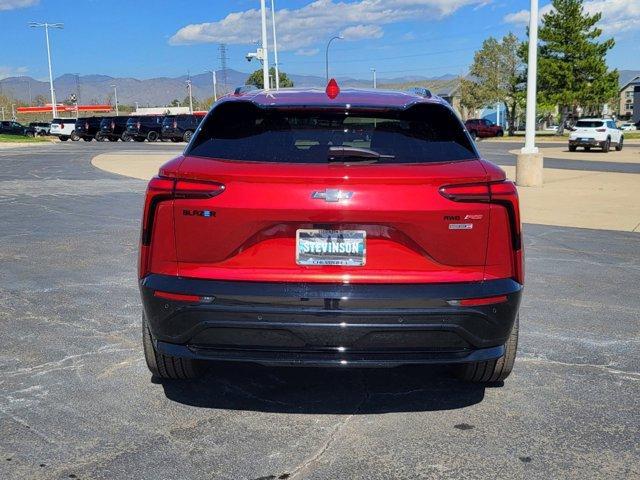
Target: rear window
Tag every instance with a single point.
(588, 124)
(245, 132)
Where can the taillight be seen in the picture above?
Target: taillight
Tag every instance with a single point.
(138, 126)
(86, 125)
(500, 193)
(175, 124)
(161, 189)
(477, 192)
(113, 125)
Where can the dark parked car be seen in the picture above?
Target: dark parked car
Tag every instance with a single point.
(41, 128)
(148, 127)
(87, 128)
(275, 240)
(483, 128)
(112, 129)
(10, 127)
(179, 128)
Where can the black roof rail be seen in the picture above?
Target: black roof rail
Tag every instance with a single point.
(420, 91)
(241, 90)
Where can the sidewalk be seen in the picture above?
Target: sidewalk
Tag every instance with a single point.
(569, 198)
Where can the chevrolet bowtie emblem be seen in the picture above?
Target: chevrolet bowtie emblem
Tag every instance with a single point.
(332, 195)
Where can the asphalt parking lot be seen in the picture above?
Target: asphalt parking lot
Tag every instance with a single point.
(77, 401)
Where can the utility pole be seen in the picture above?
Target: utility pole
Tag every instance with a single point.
(326, 53)
(265, 61)
(275, 44)
(497, 113)
(47, 26)
(529, 164)
(215, 89)
(190, 94)
(375, 80)
(115, 94)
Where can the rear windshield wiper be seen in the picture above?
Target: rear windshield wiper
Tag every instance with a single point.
(347, 154)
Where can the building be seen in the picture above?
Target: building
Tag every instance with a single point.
(628, 105)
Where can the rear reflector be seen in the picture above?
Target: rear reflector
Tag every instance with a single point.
(474, 302)
(178, 297)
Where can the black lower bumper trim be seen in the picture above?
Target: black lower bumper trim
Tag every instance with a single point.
(323, 324)
(311, 358)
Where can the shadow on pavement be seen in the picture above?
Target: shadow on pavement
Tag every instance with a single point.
(325, 390)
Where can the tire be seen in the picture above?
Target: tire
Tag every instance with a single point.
(187, 136)
(493, 370)
(125, 138)
(166, 366)
(100, 137)
(63, 139)
(152, 136)
(30, 134)
(606, 146)
(74, 136)
(500, 133)
(620, 144)
(572, 148)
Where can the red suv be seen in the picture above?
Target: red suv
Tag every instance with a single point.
(483, 128)
(303, 229)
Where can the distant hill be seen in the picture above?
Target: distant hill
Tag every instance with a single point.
(162, 90)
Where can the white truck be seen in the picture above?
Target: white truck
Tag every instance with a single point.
(64, 129)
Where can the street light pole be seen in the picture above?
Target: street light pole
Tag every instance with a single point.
(115, 94)
(529, 163)
(265, 61)
(326, 53)
(47, 26)
(275, 45)
(375, 80)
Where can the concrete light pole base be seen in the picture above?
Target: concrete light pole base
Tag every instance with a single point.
(529, 169)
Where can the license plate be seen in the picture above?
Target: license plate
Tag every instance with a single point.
(585, 139)
(331, 247)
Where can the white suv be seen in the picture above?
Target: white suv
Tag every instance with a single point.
(64, 128)
(595, 132)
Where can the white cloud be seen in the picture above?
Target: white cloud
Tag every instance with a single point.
(362, 32)
(307, 52)
(314, 22)
(617, 15)
(518, 18)
(13, 4)
(12, 71)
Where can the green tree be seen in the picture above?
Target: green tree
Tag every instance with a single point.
(256, 78)
(572, 68)
(496, 76)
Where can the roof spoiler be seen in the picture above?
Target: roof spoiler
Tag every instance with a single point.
(420, 91)
(241, 90)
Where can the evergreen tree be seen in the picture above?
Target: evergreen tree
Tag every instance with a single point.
(572, 68)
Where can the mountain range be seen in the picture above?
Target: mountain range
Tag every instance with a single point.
(93, 89)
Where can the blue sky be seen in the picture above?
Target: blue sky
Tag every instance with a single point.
(146, 38)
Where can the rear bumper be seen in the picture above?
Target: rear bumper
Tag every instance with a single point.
(586, 142)
(330, 324)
